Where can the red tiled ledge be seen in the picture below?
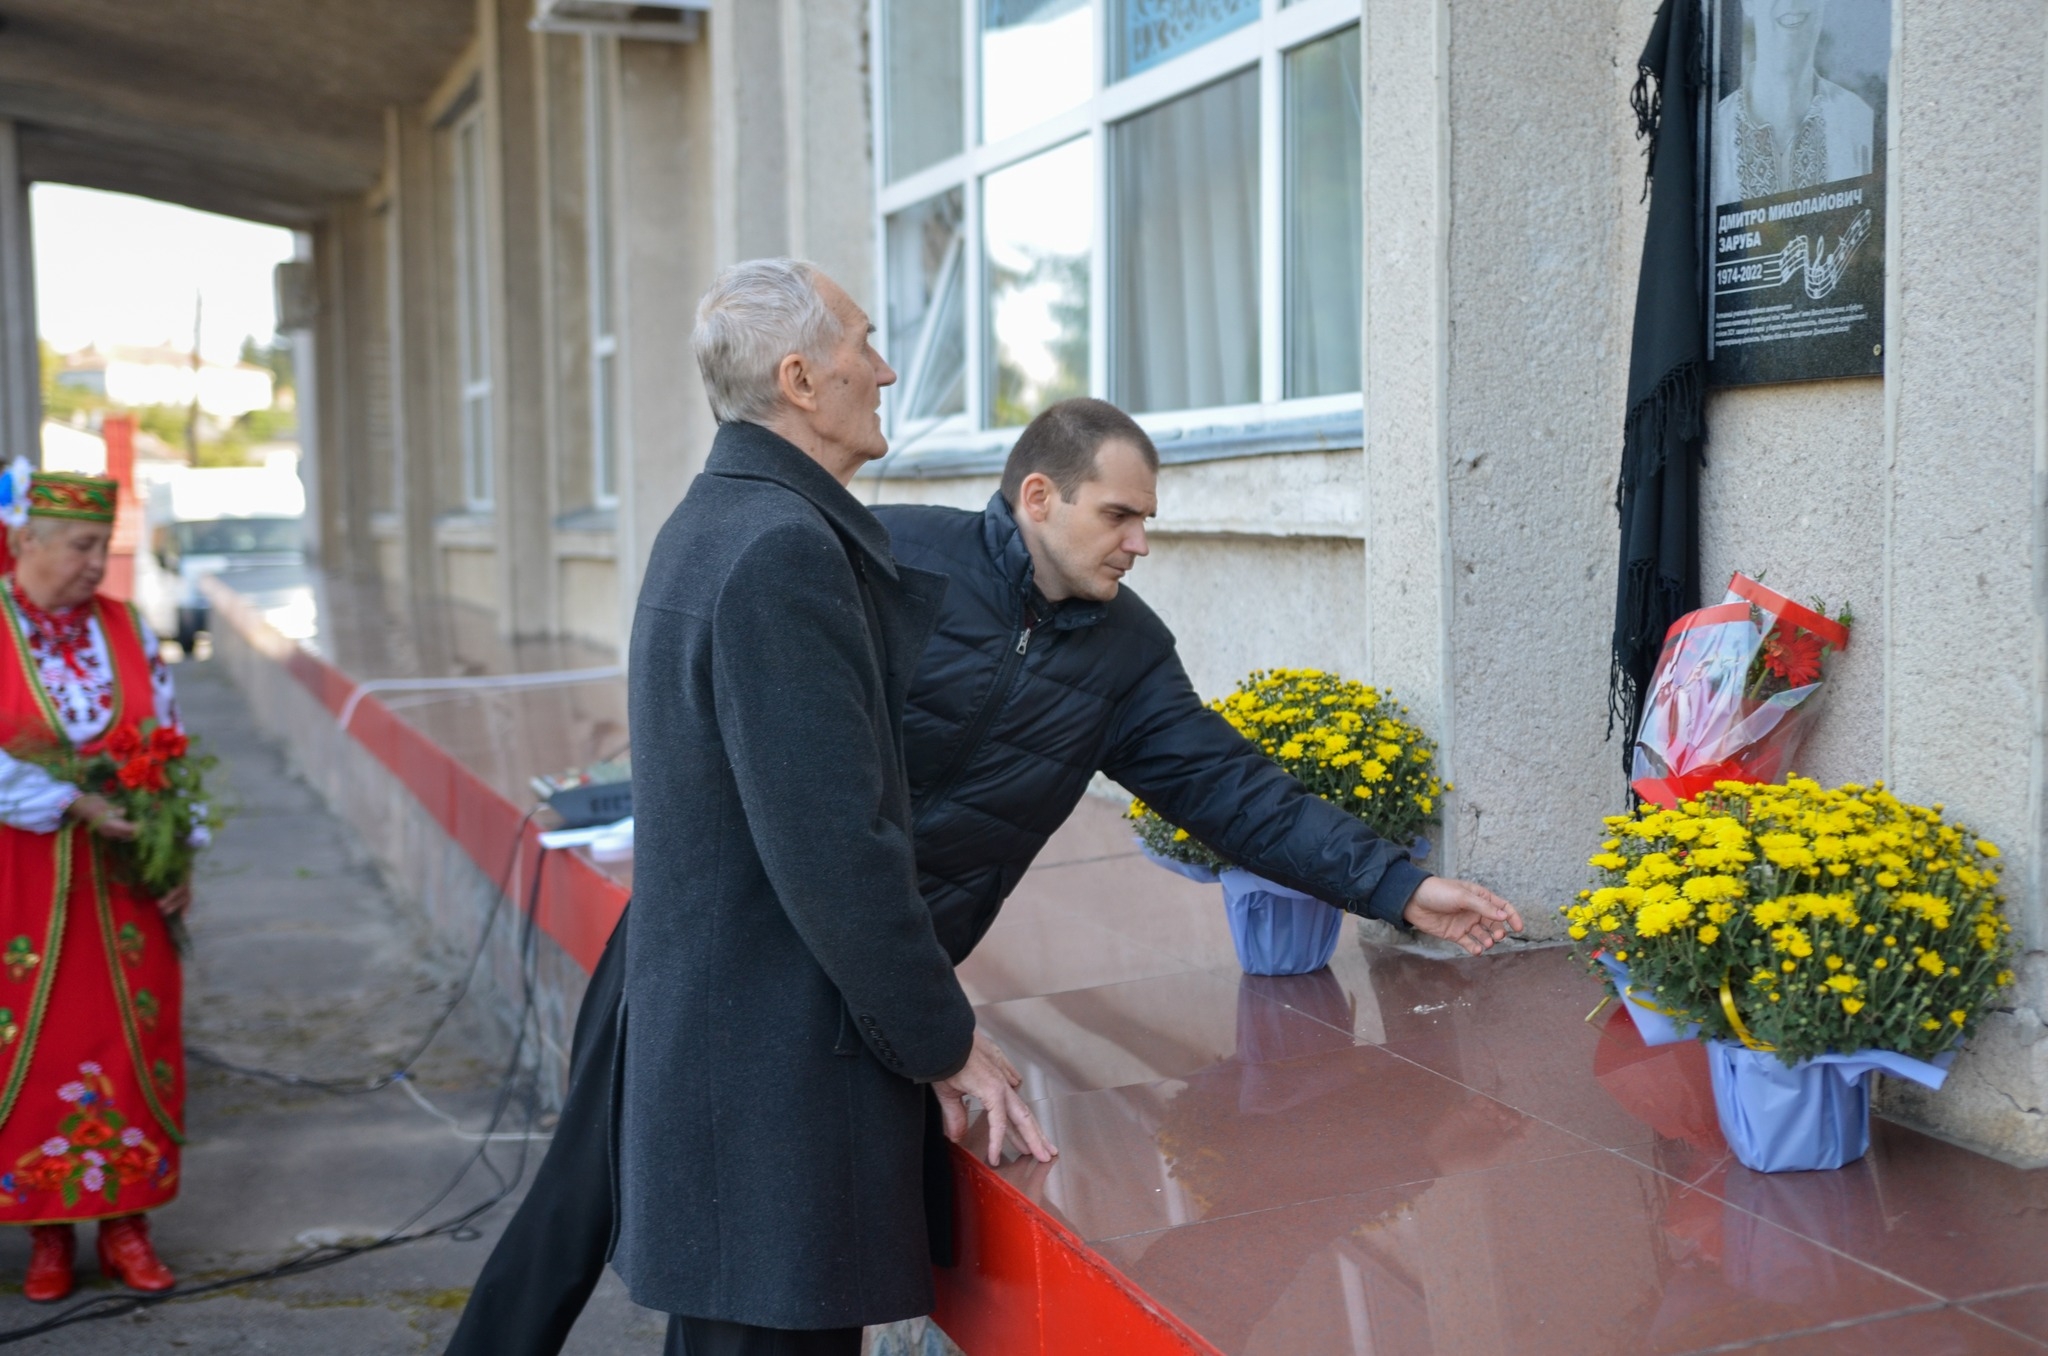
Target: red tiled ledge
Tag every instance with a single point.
(1025, 1285)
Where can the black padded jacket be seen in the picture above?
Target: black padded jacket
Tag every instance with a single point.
(1006, 722)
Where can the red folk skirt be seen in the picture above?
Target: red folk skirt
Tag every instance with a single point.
(91, 997)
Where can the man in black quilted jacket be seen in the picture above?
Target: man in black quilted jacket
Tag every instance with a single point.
(1042, 669)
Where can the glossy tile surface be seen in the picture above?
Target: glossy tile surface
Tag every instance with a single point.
(2024, 1311)
(1937, 1332)
(1407, 1154)
(1577, 1255)
(1952, 1221)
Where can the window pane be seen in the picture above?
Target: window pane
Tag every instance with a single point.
(1325, 214)
(927, 333)
(1037, 216)
(1151, 31)
(604, 440)
(597, 75)
(1037, 59)
(469, 245)
(921, 81)
(1184, 207)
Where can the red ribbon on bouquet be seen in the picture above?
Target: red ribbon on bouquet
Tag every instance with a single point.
(1805, 618)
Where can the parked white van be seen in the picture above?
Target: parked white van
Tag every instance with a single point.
(200, 521)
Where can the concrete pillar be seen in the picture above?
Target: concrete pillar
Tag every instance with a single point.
(418, 426)
(750, 133)
(1966, 599)
(1407, 188)
(524, 498)
(567, 218)
(311, 409)
(330, 507)
(829, 145)
(666, 257)
(1534, 382)
(351, 286)
(21, 380)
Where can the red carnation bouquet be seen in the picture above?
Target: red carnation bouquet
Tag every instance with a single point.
(1735, 693)
(156, 780)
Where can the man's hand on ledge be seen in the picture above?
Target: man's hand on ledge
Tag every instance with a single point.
(989, 1079)
(1459, 911)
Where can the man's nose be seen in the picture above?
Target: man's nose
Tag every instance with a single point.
(1135, 542)
(885, 375)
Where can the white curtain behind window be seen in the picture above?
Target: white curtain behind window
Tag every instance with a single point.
(1325, 215)
(1185, 263)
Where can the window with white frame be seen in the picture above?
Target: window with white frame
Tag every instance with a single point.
(600, 81)
(1154, 201)
(472, 306)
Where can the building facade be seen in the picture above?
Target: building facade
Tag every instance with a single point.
(1365, 267)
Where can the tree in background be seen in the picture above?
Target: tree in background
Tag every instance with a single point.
(274, 357)
(60, 402)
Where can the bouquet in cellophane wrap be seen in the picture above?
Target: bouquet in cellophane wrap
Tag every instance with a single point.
(1735, 692)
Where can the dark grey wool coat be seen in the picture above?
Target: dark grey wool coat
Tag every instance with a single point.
(786, 995)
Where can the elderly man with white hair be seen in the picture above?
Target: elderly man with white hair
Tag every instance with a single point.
(787, 1000)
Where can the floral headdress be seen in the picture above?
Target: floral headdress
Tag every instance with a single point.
(14, 492)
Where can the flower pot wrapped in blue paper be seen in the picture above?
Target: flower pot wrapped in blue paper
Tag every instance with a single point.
(1201, 875)
(1653, 1024)
(1809, 1116)
(1278, 931)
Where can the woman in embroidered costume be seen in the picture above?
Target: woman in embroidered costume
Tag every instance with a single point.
(92, 1068)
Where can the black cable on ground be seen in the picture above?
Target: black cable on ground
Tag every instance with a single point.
(378, 1082)
(457, 1226)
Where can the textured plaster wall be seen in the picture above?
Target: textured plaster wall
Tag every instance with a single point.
(666, 258)
(1537, 364)
(1404, 602)
(1242, 603)
(589, 590)
(1964, 655)
(1794, 490)
(471, 576)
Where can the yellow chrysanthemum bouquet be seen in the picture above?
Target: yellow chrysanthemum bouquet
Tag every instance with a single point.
(1350, 744)
(1805, 925)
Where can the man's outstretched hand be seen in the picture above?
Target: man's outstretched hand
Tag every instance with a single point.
(1458, 911)
(988, 1078)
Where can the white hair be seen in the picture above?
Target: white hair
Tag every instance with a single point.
(753, 316)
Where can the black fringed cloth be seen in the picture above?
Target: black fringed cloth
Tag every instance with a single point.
(1664, 433)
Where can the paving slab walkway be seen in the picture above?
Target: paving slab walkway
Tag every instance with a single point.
(303, 962)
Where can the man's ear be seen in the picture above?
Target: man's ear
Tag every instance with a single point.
(793, 377)
(1035, 496)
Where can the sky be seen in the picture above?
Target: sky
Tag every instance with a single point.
(115, 269)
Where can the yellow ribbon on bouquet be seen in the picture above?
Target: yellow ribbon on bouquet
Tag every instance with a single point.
(1734, 1020)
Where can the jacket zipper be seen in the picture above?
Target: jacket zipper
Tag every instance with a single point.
(999, 692)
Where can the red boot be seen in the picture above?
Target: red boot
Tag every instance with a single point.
(51, 1248)
(126, 1256)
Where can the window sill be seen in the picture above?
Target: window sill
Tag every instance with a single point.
(944, 455)
(466, 531)
(586, 534)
